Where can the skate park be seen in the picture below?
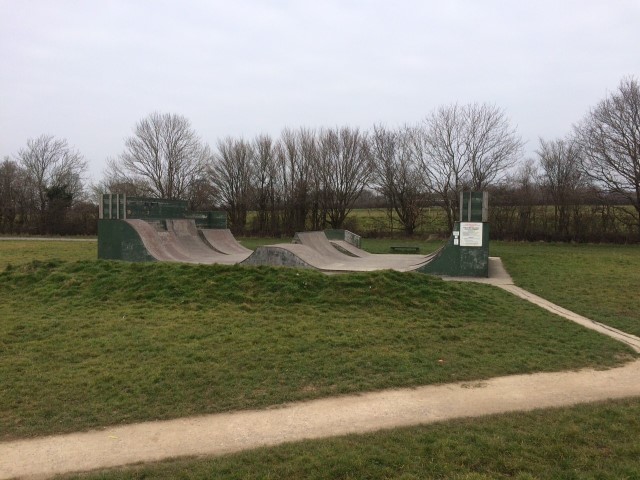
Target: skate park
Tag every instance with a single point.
(180, 254)
(138, 229)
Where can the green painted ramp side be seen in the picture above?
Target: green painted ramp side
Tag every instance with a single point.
(455, 260)
(117, 240)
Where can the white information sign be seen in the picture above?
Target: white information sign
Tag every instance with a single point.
(470, 234)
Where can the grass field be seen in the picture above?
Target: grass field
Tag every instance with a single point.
(601, 282)
(93, 343)
(88, 343)
(22, 251)
(583, 442)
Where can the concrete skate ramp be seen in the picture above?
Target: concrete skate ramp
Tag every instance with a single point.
(303, 256)
(319, 242)
(179, 243)
(349, 249)
(223, 241)
(185, 234)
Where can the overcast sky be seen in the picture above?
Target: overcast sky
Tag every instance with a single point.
(87, 71)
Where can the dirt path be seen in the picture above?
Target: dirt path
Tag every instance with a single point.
(226, 433)
(232, 432)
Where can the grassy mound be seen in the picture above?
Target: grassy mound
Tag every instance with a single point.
(91, 343)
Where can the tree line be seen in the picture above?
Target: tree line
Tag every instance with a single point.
(42, 191)
(583, 187)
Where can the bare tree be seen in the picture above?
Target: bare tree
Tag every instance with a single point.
(266, 184)
(441, 151)
(115, 181)
(344, 168)
(561, 179)
(54, 170)
(294, 156)
(12, 189)
(231, 173)
(513, 214)
(492, 145)
(470, 146)
(397, 176)
(610, 139)
(310, 185)
(203, 195)
(164, 158)
(526, 191)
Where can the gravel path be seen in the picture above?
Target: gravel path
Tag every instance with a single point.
(232, 432)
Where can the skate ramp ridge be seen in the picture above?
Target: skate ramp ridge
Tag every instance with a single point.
(223, 241)
(349, 249)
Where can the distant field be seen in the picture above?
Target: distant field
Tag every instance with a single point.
(596, 223)
(372, 220)
(23, 251)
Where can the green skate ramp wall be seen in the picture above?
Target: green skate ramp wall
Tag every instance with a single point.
(118, 240)
(466, 254)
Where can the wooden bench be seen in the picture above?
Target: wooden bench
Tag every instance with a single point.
(405, 248)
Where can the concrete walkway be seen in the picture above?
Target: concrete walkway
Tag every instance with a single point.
(232, 432)
(499, 277)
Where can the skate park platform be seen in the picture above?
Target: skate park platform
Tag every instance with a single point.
(315, 250)
(139, 229)
(178, 238)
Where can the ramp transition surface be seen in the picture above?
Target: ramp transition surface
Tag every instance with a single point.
(179, 242)
(349, 249)
(314, 250)
(223, 241)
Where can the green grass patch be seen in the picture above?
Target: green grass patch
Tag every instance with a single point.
(14, 252)
(91, 343)
(383, 245)
(587, 441)
(601, 282)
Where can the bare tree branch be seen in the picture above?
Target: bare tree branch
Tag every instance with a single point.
(232, 173)
(470, 146)
(49, 163)
(164, 158)
(344, 168)
(561, 178)
(397, 175)
(610, 139)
